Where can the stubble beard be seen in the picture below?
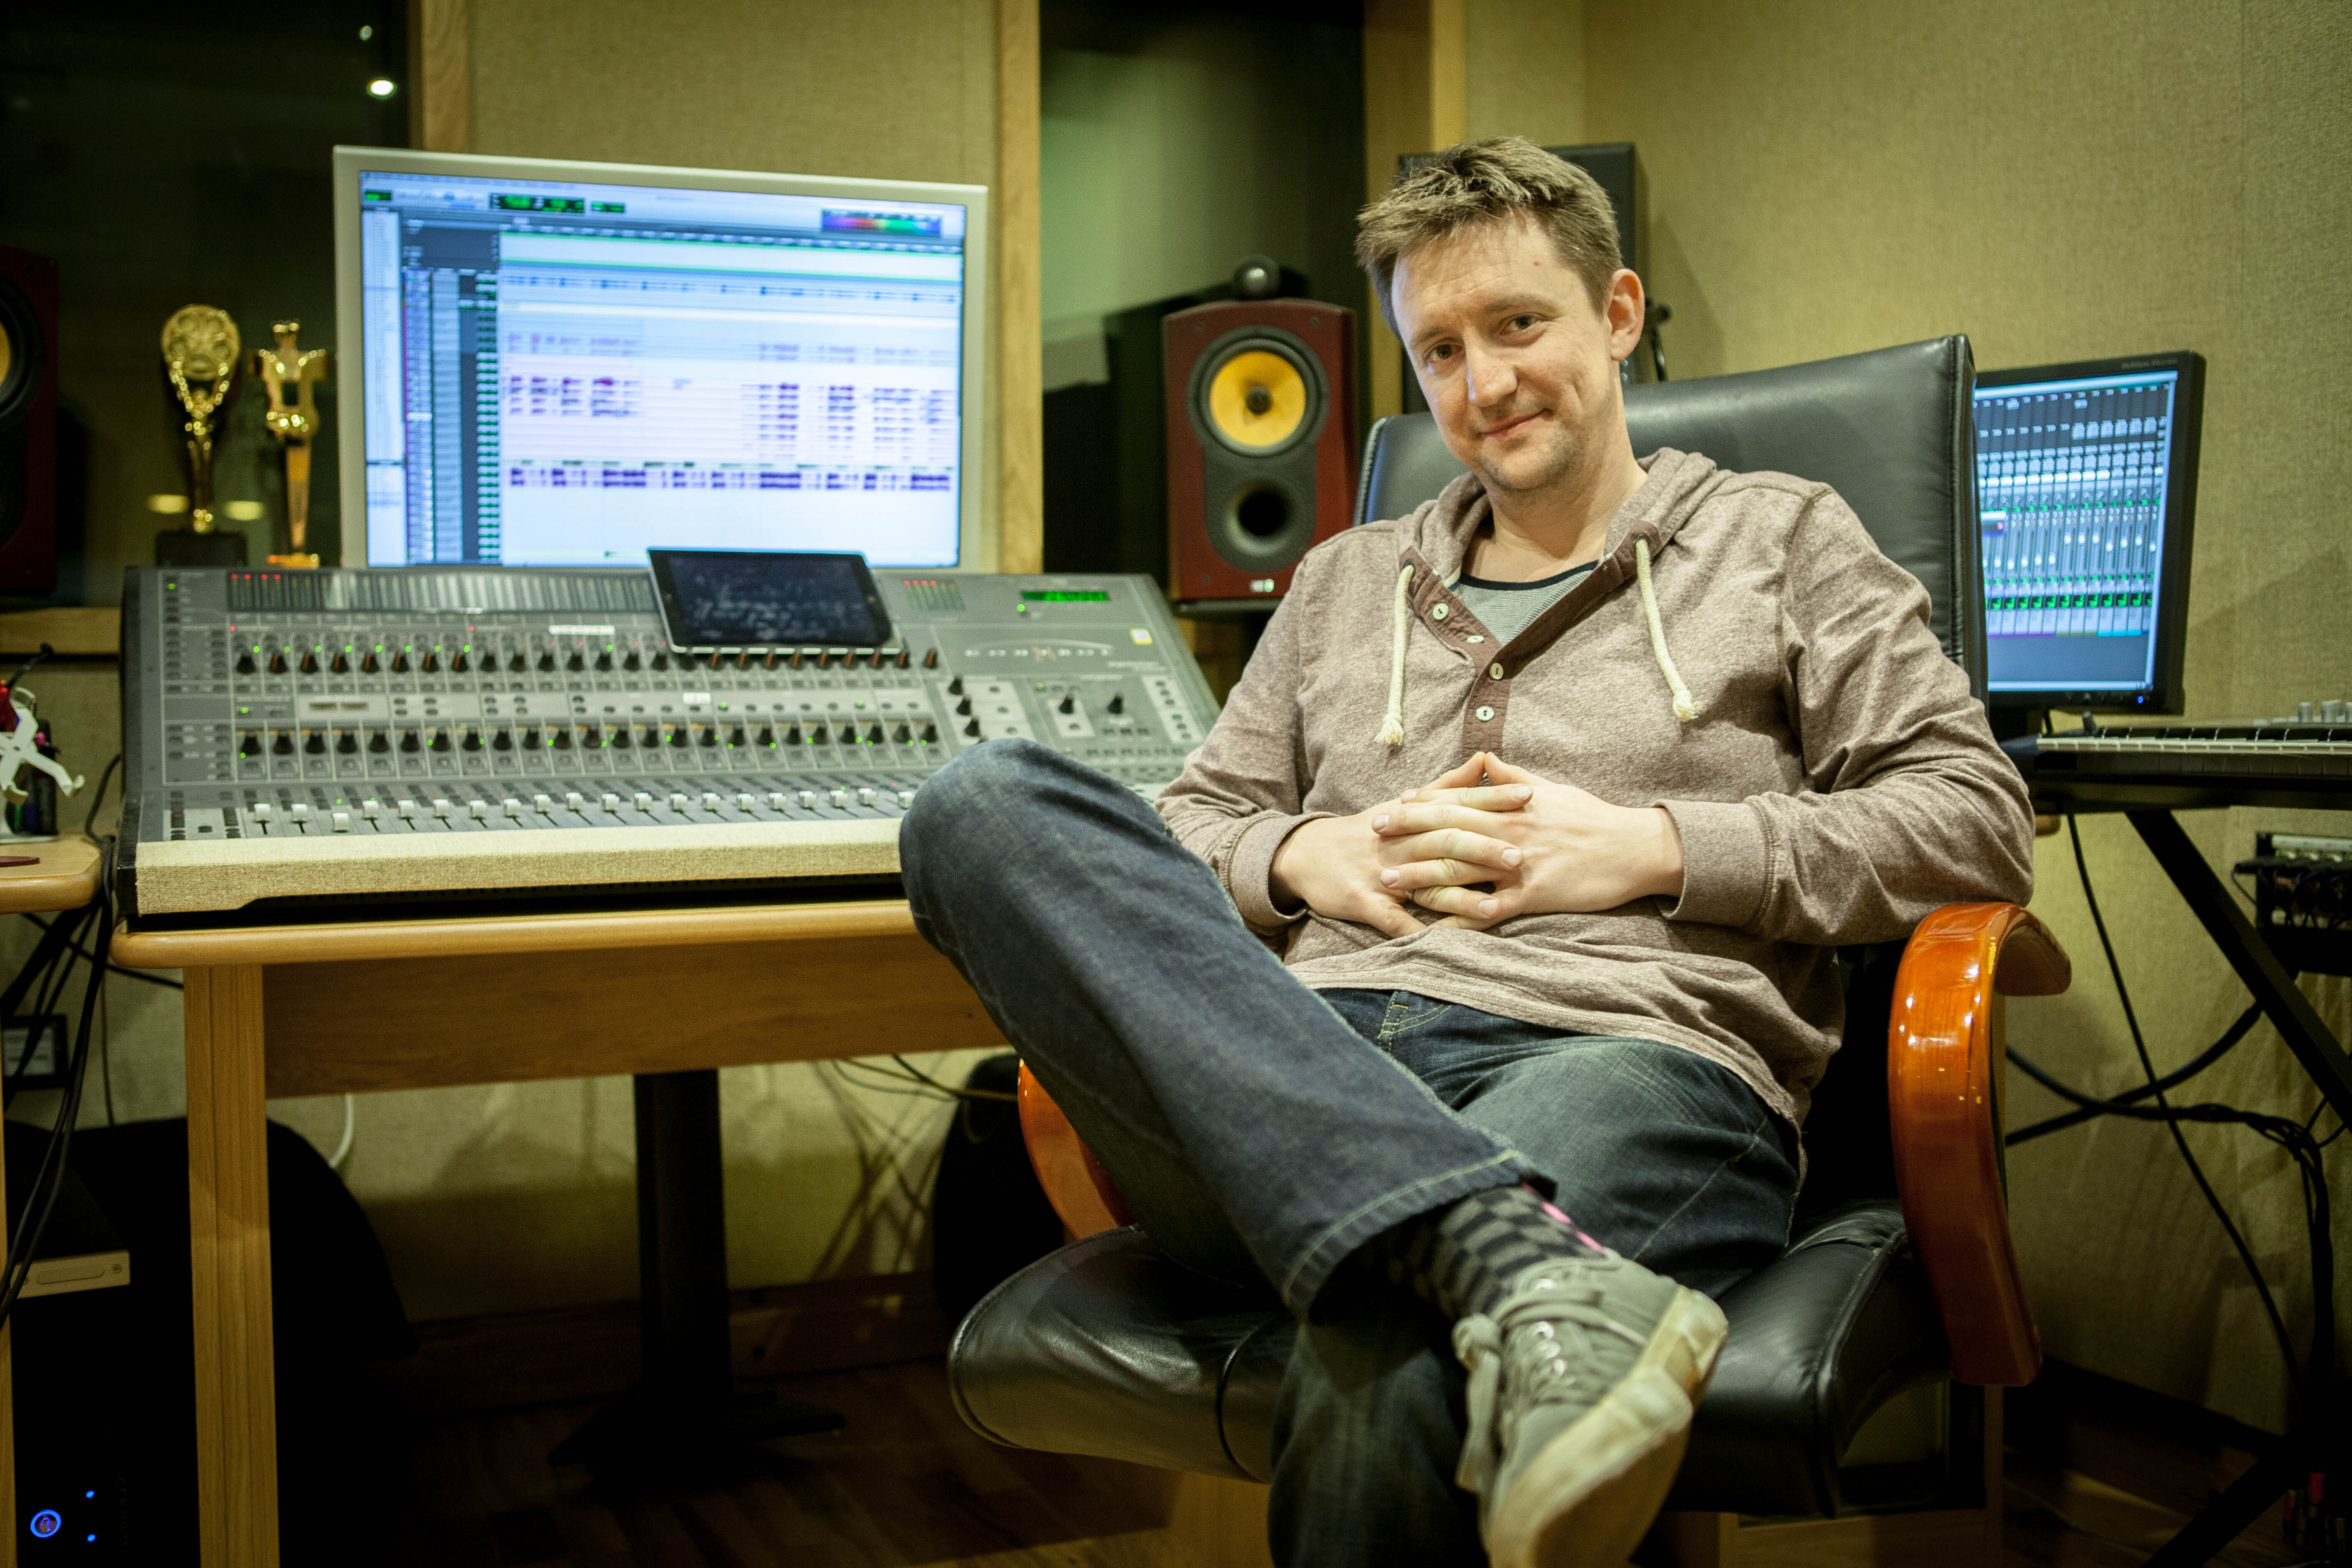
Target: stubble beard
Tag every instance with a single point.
(1561, 463)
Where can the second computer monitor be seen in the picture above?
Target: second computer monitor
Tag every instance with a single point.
(2086, 495)
(551, 364)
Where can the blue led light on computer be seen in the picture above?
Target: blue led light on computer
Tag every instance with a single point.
(48, 1522)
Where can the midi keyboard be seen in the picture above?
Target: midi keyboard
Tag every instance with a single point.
(306, 739)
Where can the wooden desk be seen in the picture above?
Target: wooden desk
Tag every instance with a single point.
(65, 877)
(346, 1008)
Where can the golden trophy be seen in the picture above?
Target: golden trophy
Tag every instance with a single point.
(201, 349)
(290, 376)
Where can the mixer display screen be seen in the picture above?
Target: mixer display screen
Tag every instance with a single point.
(437, 734)
(730, 598)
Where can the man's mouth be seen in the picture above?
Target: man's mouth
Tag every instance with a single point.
(1509, 426)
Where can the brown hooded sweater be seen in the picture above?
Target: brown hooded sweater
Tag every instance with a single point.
(1835, 782)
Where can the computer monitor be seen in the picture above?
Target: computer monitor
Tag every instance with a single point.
(2086, 496)
(558, 363)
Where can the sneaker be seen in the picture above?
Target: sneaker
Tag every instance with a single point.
(1581, 1387)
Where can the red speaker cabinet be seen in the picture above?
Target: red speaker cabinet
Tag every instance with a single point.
(1261, 442)
(28, 423)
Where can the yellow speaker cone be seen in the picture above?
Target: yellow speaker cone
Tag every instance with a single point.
(1258, 399)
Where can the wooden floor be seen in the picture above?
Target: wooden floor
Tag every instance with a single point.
(908, 1484)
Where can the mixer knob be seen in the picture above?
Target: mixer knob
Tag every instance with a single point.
(902, 659)
(678, 736)
(972, 729)
(743, 802)
(341, 821)
(808, 800)
(545, 803)
(400, 662)
(1118, 704)
(479, 810)
(282, 745)
(963, 708)
(866, 797)
(906, 799)
(261, 810)
(632, 662)
(591, 736)
(650, 735)
(902, 734)
(840, 799)
(440, 805)
(955, 686)
(249, 746)
(619, 739)
(604, 660)
(2305, 713)
(532, 737)
(408, 739)
(735, 737)
(515, 661)
(299, 811)
(546, 660)
(314, 743)
(440, 740)
(431, 662)
(661, 661)
(278, 661)
(874, 734)
(458, 663)
(368, 665)
(347, 743)
(931, 734)
(791, 735)
(775, 800)
(642, 801)
(563, 740)
(816, 735)
(341, 664)
(503, 741)
(2331, 712)
(930, 658)
(244, 665)
(378, 742)
(796, 658)
(706, 734)
(710, 801)
(310, 662)
(575, 663)
(678, 803)
(408, 808)
(512, 808)
(370, 810)
(473, 740)
(1068, 704)
(767, 735)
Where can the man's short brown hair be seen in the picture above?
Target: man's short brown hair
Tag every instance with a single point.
(1487, 181)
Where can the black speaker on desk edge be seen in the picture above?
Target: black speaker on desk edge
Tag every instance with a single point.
(28, 423)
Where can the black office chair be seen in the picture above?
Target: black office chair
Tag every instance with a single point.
(1900, 1275)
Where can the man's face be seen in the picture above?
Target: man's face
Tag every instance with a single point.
(1518, 363)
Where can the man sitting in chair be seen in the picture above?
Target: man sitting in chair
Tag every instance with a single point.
(1554, 799)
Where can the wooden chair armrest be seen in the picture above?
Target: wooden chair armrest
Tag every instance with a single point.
(1076, 1184)
(1944, 1055)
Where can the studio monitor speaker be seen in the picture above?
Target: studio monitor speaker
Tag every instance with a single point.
(1261, 442)
(28, 423)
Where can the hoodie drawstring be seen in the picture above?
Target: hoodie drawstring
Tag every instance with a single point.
(1685, 709)
(1393, 726)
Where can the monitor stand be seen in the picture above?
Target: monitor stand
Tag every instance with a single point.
(688, 1414)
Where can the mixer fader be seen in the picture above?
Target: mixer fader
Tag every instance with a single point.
(346, 736)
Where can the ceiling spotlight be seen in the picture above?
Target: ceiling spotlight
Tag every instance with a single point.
(382, 86)
(365, 34)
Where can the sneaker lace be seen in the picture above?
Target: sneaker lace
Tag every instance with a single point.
(1551, 1361)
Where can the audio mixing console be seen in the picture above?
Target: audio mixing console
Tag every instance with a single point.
(346, 737)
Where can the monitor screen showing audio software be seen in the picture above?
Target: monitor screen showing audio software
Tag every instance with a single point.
(564, 369)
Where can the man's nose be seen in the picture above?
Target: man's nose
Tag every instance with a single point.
(1488, 378)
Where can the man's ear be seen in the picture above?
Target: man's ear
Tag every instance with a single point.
(1627, 311)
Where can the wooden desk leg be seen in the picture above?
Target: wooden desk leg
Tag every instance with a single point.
(228, 1237)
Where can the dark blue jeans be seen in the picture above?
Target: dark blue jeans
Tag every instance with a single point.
(1265, 1132)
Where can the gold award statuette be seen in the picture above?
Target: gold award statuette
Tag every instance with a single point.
(291, 377)
(200, 353)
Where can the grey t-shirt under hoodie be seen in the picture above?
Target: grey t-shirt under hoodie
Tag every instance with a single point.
(1509, 609)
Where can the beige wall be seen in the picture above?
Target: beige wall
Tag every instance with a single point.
(2059, 183)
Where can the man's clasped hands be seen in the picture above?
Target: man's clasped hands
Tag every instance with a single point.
(1479, 845)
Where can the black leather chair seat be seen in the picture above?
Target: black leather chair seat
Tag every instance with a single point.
(1107, 1348)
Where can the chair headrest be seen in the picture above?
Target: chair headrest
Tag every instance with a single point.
(1892, 431)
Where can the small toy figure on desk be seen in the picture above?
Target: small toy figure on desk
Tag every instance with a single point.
(294, 422)
(32, 810)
